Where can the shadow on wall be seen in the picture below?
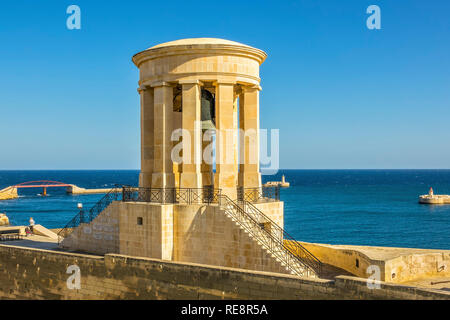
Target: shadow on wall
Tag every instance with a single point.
(207, 236)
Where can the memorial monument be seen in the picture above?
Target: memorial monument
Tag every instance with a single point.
(183, 210)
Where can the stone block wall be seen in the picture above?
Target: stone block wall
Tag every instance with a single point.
(185, 233)
(208, 236)
(416, 266)
(144, 239)
(41, 274)
(349, 260)
(100, 236)
(273, 210)
(411, 264)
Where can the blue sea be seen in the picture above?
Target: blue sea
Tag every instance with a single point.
(359, 207)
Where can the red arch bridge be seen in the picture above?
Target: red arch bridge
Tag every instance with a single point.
(44, 184)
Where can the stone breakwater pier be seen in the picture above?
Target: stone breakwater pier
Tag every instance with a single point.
(73, 189)
(11, 192)
(282, 183)
(435, 199)
(8, 193)
(432, 198)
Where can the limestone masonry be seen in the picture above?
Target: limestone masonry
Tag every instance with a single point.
(188, 232)
(175, 78)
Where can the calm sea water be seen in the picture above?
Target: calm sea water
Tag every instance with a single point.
(360, 207)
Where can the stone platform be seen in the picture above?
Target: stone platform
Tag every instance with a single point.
(434, 199)
(420, 267)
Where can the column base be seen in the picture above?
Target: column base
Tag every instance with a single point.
(191, 180)
(163, 180)
(145, 179)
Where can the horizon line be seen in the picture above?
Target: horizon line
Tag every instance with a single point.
(312, 169)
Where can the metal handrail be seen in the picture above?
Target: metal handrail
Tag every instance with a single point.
(275, 245)
(294, 256)
(86, 217)
(294, 247)
(268, 193)
(206, 195)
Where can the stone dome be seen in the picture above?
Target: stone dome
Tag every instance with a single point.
(199, 41)
(201, 59)
(199, 46)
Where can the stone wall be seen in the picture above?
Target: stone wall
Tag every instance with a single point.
(185, 233)
(273, 210)
(208, 236)
(349, 260)
(152, 238)
(100, 236)
(417, 266)
(396, 265)
(40, 274)
(8, 193)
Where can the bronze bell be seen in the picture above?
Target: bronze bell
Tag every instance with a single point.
(208, 116)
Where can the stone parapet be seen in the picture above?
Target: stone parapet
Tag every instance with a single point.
(116, 276)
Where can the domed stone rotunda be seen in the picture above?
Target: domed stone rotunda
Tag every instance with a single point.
(196, 85)
(183, 210)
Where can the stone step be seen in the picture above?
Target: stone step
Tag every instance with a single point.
(277, 253)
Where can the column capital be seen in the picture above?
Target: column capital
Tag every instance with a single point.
(193, 81)
(162, 84)
(223, 82)
(142, 88)
(250, 88)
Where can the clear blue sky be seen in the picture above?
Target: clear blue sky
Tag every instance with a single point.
(342, 96)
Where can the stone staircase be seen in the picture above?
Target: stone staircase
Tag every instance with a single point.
(292, 256)
(86, 217)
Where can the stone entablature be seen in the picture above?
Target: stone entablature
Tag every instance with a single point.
(204, 59)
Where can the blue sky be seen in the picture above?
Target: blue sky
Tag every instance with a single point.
(343, 96)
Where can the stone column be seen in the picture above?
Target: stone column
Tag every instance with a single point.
(191, 176)
(207, 170)
(225, 177)
(147, 124)
(163, 176)
(249, 175)
(237, 91)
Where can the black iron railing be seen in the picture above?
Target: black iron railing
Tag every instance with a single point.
(91, 214)
(253, 220)
(284, 238)
(206, 194)
(261, 194)
(270, 235)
